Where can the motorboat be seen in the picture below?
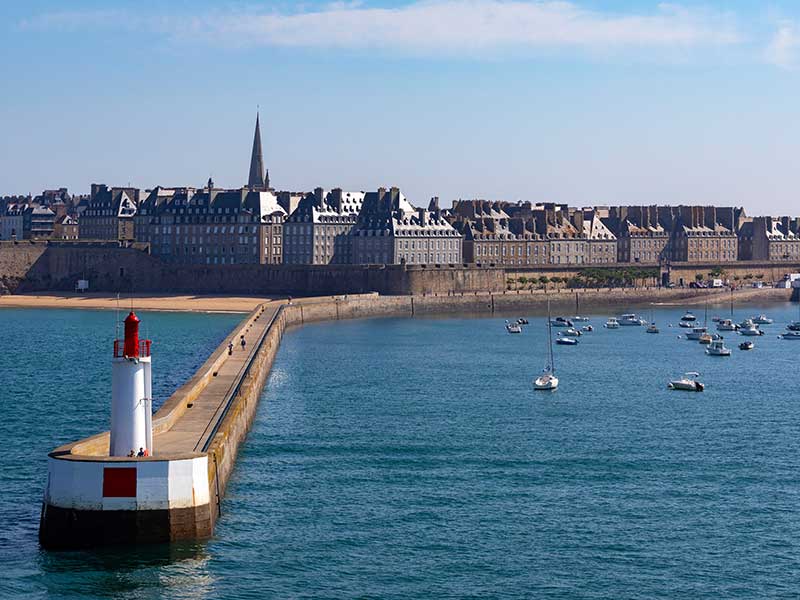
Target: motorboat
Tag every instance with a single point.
(791, 335)
(522, 321)
(752, 330)
(707, 338)
(793, 326)
(688, 317)
(696, 333)
(717, 348)
(570, 332)
(561, 322)
(652, 328)
(686, 324)
(746, 323)
(567, 341)
(547, 381)
(687, 383)
(587, 328)
(746, 346)
(579, 319)
(630, 319)
(612, 323)
(762, 320)
(513, 327)
(726, 325)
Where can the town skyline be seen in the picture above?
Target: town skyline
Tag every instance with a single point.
(585, 103)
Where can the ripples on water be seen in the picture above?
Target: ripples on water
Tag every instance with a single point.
(411, 458)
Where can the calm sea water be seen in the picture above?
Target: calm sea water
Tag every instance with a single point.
(411, 459)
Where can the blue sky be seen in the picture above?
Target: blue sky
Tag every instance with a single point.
(584, 102)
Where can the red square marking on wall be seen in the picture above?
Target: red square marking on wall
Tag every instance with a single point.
(119, 482)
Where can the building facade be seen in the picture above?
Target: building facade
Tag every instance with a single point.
(318, 231)
(110, 213)
(12, 222)
(65, 228)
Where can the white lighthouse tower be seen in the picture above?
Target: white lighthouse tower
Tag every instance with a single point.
(131, 393)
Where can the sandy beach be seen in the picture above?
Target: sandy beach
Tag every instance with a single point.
(179, 303)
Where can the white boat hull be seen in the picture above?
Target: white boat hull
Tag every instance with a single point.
(546, 383)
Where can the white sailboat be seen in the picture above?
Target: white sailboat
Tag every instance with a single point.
(547, 381)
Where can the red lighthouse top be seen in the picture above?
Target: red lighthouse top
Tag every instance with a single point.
(132, 346)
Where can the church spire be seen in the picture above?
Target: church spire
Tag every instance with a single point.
(256, 179)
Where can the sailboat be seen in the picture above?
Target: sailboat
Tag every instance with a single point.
(548, 381)
(652, 328)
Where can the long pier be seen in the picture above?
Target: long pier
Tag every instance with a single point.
(92, 498)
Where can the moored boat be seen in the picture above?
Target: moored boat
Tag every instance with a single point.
(612, 323)
(696, 333)
(547, 381)
(567, 341)
(630, 320)
(791, 335)
(652, 328)
(689, 317)
(752, 330)
(726, 325)
(717, 348)
(561, 322)
(687, 383)
(762, 320)
(746, 346)
(579, 319)
(513, 328)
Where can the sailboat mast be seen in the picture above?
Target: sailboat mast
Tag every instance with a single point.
(550, 338)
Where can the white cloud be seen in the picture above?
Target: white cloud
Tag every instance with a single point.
(782, 50)
(429, 26)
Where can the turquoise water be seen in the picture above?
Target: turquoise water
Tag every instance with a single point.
(55, 369)
(411, 459)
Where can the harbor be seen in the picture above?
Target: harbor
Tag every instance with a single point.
(328, 452)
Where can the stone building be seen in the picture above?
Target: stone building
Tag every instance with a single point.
(109, 213)
(37, 222)
(641, 237)
(390, 230)
(699, 236)
(318, 231)
(12, 222)
(212, 226)
(65, 228)
(770, 239)
(508, 241)
(601, 243)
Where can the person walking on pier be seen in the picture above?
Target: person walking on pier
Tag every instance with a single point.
(230, 347)
(244, 343)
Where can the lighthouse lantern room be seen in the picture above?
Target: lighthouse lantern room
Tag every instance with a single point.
(131, 393)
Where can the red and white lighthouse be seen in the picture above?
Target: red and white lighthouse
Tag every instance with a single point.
(131, 393)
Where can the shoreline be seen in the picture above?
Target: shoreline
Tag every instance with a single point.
(475, 303)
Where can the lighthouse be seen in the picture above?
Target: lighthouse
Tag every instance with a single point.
(131, 393)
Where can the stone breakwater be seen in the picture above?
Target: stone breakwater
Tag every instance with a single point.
(77, 511)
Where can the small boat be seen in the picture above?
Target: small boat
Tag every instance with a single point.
(686, 324)
(579, 319)
(696, 333)
(717, 348)
(513, 328)
(726, 325)
(547, 381)
(687, 383)
(630, 319)
(688, 317)
(561, 322)
(752, 330)
(707, 338)
(587, 328)
(522, 321)
(571, 332)
(762, 320)
(652, 328)
(746, 323)
(793, 326)
(791, 335)
(746, 346)
(612, 323)
(567, 341)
